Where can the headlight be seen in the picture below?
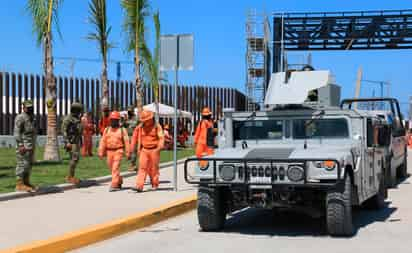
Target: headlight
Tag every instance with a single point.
(327, 165)
(295, 173)
(227, 172)
(203, 165)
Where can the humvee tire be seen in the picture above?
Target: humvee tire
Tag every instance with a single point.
(391, 178)
(403, 170)
(339, 211)
(211, 211)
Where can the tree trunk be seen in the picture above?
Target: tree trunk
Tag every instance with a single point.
(157, 101)
(105, 88)
(139, 90)
(51, 152)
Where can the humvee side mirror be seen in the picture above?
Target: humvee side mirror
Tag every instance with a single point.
(384, 136)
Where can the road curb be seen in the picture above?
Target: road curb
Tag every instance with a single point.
(66, 187)
(97, 233)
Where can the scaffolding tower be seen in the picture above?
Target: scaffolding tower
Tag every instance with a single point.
(257, 59)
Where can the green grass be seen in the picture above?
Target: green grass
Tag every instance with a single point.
(47, 174)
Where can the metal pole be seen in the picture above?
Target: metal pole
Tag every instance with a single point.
(282, 46)
(175, 120)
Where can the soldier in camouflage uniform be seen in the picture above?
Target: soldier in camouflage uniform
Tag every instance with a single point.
(25, 134)
(72, 137)
(130, 125)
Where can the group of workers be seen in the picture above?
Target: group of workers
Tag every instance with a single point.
(141, 138)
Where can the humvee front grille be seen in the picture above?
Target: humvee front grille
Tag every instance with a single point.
(259, 172)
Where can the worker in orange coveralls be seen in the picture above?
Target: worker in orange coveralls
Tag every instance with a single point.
(168, 138)
(105, 120)
(149, 138)
(183, 135)
(114, 143)
(88, 132)
(410, 138)
(204, 136)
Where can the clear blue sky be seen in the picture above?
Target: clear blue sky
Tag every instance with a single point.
(219, 30)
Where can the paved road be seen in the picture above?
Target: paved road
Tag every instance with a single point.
(45, 216)
(387, 230)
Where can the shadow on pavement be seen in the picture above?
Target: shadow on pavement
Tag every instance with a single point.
(87, 183)
(49, 189)
(290, 223)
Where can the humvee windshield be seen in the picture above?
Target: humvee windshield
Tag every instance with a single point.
(320, 128)
(302, 129)
(258, 129)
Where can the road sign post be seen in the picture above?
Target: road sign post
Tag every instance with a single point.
(176, 54)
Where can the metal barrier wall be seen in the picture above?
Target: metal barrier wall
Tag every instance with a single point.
(17, 87)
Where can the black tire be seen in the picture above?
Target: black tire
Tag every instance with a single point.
(391, 179)
(339, 211)
(211, 211)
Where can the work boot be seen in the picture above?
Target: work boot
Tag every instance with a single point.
(114, 189)
(72, 180)
(21, 187)
(132, 168)
(138, 190)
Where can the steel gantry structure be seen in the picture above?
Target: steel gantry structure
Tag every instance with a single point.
(360, 30)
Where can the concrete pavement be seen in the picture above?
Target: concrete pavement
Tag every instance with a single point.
(42, 217)
(387, 230)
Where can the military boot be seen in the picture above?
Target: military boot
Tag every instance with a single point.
(72, 180)
(26, 181)
(21, 187)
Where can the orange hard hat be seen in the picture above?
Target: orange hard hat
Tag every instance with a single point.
(206, 111)
(115, 115)
(146, 116)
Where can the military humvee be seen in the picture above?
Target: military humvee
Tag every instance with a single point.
(396, 154)
(302, 152)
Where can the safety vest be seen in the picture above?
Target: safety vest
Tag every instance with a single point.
(149, 139)
(115, 139)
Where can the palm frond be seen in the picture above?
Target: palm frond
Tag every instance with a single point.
(156, 21)
(98, 19)
(39, 11)
(135, 12)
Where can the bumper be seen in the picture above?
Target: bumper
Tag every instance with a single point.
(212, 178)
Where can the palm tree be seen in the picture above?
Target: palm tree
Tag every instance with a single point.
(135, 12)
(44, 15)
(98, 18)
(153, 62)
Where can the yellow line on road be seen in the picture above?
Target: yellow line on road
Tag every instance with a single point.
(90, 235)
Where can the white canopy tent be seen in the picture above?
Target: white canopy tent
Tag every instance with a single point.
(166, 111)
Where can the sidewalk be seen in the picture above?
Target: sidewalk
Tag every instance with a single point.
(45, 216)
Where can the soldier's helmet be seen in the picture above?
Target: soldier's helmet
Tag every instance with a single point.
(28, 103)
(76, 107)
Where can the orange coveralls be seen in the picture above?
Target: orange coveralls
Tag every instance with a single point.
(168, 140)
(410, 140)
(103, 124)
(114, 143)
(88, 131)
(200, 139)
(149, 141)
